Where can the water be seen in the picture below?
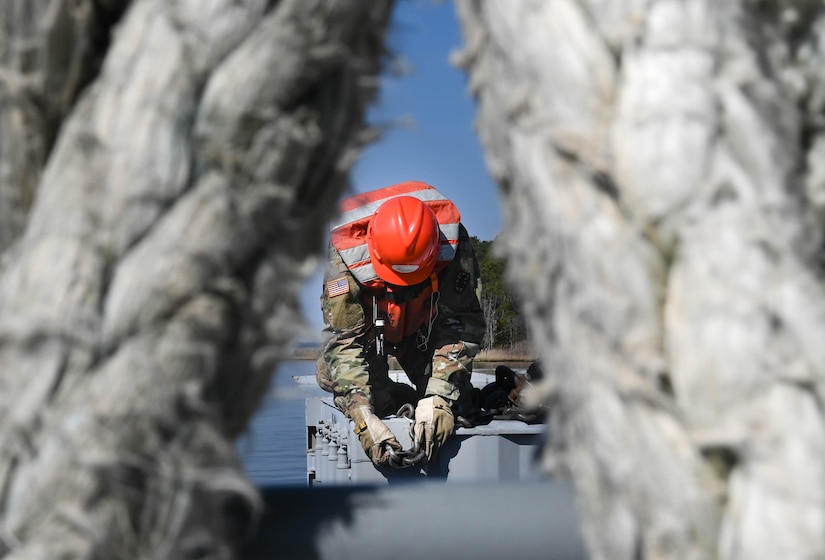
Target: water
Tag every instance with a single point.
(273, 450)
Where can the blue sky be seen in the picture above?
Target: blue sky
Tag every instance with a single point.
(440, 146)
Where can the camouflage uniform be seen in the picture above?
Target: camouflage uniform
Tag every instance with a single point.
(349, 368)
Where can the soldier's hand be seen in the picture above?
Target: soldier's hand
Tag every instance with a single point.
(434, 424)
(374, 435)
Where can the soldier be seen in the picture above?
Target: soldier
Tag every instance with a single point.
(402, 280)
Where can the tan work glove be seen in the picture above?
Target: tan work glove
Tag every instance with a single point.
(434, 423)
(373, 434)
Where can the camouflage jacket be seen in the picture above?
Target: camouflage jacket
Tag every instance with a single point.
(437, 358)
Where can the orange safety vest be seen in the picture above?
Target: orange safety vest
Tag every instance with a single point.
(402, 318)
(349, 237)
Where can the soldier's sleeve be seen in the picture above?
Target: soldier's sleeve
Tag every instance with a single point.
(459, 327)
(344, 332)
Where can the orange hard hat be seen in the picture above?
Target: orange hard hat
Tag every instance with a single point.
(403, 239)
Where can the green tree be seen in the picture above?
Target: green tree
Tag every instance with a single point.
(502, 311)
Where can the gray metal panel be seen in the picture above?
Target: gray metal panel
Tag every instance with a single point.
(430, 520)
(503, 450)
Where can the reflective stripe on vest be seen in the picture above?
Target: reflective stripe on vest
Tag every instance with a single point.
(349, 233)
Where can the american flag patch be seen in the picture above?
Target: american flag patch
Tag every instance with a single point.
(337, 287)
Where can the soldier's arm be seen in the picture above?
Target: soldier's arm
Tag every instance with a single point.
(344, 334)
(459, 327)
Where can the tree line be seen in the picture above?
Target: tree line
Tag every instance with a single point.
(506, 326)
